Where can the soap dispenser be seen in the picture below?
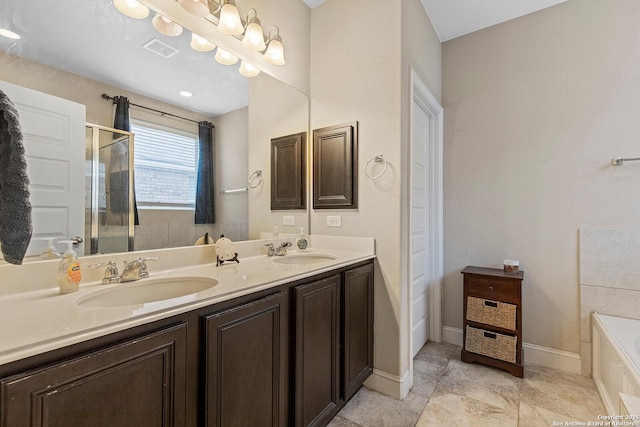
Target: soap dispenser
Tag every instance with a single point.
(50, 251)
(69, 274)
(302, 243)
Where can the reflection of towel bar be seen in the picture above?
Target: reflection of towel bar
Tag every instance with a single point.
(237, 190)
(256, 176)
(618, 161)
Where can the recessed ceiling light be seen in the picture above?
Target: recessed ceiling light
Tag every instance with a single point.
(9, 34)
(185, 93)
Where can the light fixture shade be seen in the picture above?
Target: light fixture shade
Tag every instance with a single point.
(166, 26)
(225, 58)
(253, 37)
(201, 44)
(195, 7)
(132, 8)
(230, 22)
(248, 70)
(275, 52)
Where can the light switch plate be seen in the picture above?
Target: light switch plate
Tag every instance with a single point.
(334, 221)
(288, 220)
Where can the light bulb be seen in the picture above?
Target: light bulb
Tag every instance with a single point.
(248, 70)
(230, 22)
(275, 52)
(195, 7)
(201, 44)
(166, 26)
(132, 8)
(253, 38)
(224, 57)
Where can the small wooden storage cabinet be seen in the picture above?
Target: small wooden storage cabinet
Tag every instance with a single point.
(492, 319)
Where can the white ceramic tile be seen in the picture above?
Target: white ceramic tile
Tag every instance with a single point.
(616, 302)
(372, 409)
(451, 409)
(610, 258)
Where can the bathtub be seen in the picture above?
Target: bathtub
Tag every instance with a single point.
(615, 344)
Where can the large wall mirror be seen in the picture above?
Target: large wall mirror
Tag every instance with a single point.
(79, 53)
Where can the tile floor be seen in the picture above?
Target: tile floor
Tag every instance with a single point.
(448, 392)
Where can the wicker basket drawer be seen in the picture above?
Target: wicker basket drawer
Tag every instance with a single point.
(492, 344)
(491, 312)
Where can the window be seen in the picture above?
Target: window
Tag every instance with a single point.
(166, 166)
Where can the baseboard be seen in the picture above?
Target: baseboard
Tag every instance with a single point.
(533, 354)
(389, 384)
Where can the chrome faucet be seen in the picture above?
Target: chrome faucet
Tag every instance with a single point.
(136, 269)
(279, 251)
(110, 273)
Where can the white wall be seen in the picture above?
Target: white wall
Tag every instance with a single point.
(275, 110)
(535, 108)
(358, 74)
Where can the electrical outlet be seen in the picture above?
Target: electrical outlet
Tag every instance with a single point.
(334, 221)
(288, 220)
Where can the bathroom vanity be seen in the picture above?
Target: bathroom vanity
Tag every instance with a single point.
(289, 354)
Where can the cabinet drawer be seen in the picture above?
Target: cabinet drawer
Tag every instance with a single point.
(499, 288)
(489, 312)
(492, 344)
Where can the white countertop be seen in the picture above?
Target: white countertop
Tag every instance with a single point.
(40, 319)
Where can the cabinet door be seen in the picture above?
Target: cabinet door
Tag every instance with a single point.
(246, 364)
(317, 322)
(136, 383)
(358, 328)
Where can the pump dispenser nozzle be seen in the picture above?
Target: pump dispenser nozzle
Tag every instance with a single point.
(50, 251)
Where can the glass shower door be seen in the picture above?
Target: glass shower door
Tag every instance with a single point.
(112, 217)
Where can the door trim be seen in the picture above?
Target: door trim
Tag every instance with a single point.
(422, 96)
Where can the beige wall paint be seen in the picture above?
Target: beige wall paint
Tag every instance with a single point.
(422, 52)
(535, 109)
(275, 110)
(360, 75)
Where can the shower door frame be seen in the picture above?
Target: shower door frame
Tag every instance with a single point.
(95, 184)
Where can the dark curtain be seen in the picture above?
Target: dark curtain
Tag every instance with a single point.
(205, 204)
(121, 179)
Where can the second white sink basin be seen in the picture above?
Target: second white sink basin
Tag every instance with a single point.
(147, 291)
(303, 258)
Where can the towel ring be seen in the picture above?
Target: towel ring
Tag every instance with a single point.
(376, 159)
(256, 174)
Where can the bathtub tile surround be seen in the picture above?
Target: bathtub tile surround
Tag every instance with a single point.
(459, 394)
(609, 279)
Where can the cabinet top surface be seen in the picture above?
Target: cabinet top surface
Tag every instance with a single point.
(493, 272)
(36, 322)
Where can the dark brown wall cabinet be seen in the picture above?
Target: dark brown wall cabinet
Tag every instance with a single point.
(245, 373)
(135, 383)
(288, 172)
(335, 167)
(291, 355)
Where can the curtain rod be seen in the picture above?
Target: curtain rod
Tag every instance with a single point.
(107, 97)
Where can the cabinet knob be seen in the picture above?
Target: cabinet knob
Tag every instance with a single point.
(490, 288)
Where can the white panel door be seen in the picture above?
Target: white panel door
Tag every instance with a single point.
(54, 139)
(419, 233)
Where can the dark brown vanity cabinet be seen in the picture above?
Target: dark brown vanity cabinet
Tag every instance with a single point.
(317, 350)
(245, 364)
(139, 382)
(290, 355)
(333, 343)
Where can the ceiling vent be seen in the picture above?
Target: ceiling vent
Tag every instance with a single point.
(160, 48)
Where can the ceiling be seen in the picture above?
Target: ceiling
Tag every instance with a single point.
(98, 42)
(455, 18)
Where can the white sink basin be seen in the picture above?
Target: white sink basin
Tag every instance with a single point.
(147, 291)
(303, 258)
